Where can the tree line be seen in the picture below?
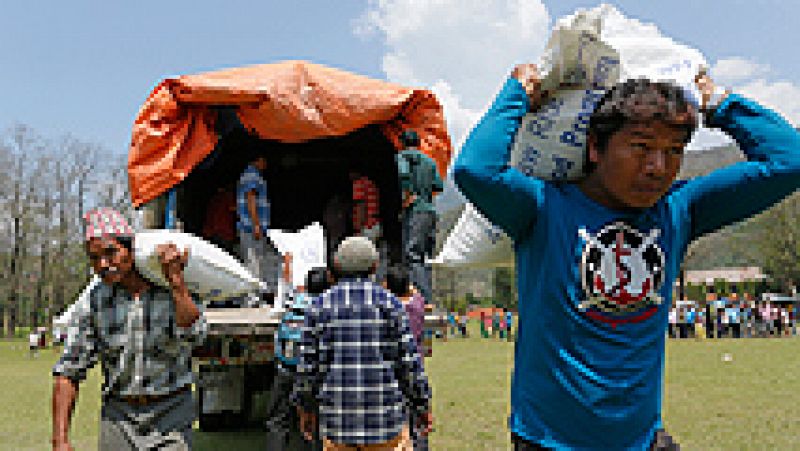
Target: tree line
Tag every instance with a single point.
(45, 187)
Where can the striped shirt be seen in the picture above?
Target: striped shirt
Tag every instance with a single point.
(359, 362)
(251, 180)
(141, 348)
(365, 191)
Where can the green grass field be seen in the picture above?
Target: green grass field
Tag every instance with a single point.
(746, 403)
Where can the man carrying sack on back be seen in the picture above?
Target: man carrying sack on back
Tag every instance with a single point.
(143, 336)
(597, 259)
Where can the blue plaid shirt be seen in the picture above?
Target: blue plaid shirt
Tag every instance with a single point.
(359, 362)
(251, 180)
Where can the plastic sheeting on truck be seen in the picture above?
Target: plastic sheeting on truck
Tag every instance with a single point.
(291, 102)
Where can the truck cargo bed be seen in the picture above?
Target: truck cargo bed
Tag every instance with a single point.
(243, 321)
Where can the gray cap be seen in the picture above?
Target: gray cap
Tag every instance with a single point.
(355, 254)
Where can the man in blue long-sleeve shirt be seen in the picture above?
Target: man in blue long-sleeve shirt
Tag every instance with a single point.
(596, 259)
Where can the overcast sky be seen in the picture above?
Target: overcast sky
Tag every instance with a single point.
(86, 67)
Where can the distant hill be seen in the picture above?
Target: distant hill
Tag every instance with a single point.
(732, 245)
(702, 162)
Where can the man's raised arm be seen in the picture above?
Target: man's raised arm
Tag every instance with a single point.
(506, 196)
(771, 172)
(80, 354)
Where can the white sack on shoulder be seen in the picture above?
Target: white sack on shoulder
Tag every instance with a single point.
(211, 273)
(587, 53)
(81, 306)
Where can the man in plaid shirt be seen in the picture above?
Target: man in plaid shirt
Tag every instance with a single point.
(143, 336)
(359, 361)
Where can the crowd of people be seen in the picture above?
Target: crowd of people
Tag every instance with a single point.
(596, 261)
(244, 211)
(729, 318)
(143, 334)
(496, 322)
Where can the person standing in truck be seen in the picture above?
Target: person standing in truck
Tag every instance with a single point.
(366, 217)
(419, 181)
(252, 207)
(336, 218)
(366, 206)
(219, 226)
(143, 336)
(597, 259)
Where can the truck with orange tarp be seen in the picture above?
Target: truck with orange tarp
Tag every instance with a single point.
(193, 136)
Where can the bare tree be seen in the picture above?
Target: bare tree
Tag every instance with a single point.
(41, 206)
(25, 148)
(74, 173)
(23, 141)
(43, 194)
(7, 188)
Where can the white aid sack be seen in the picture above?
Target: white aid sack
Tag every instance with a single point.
(307, 247)
(474, 241)
(211, 273)
(587, 53)
(61, 324)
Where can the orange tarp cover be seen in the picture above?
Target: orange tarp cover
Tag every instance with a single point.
(292, 102)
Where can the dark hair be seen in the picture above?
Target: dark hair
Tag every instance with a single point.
(317, 280)
(637, 101)
(409, 138)
(255, 154)
(397, 280)
(125, 241)
(338, 273)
